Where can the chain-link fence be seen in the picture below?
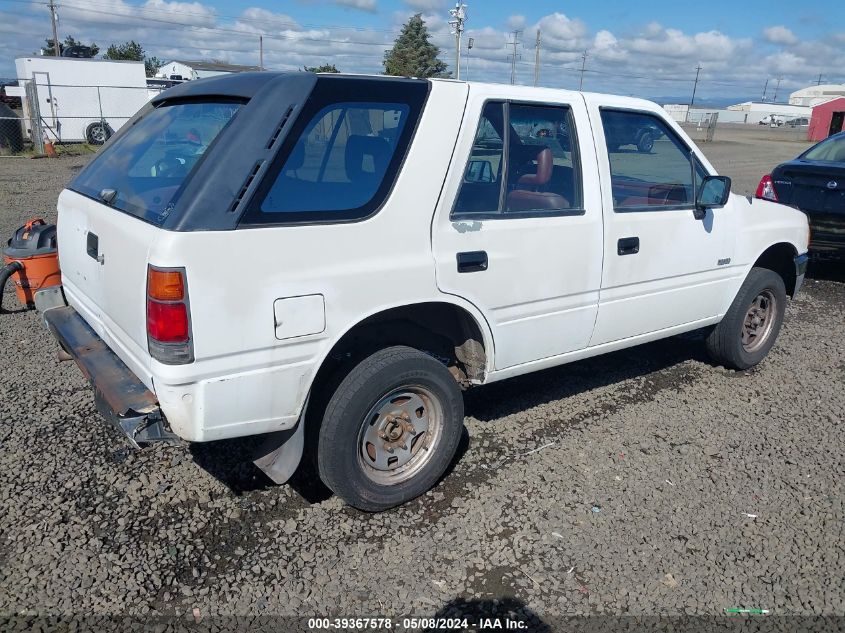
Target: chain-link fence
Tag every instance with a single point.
(65, 113)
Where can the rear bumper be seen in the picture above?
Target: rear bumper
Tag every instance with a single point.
(800, 272)
(121, 398)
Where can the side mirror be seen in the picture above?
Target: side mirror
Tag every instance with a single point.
(713, 192)
(479, 171)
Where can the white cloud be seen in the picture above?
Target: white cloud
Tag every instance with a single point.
(647, 58)
(361, 5)
(779, 35)
(562, 33)
(516, 22)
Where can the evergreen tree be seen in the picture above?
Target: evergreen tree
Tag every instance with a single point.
(325, 68)
(133, 51)
(413, 55)
(70, 41)
(128, 50)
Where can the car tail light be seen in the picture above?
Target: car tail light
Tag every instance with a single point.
(168, 316)
(766, 189)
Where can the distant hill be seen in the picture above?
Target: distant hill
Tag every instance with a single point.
(709, 102)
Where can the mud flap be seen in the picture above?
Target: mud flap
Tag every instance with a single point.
(280, 454)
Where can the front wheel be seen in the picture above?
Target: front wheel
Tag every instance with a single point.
(390, 429)
(749, 328)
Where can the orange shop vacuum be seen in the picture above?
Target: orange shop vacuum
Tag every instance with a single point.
(31, 261)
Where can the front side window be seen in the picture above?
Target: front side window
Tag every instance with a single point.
(523, 160)
(650, 167)
(340, 160)
(148, 165)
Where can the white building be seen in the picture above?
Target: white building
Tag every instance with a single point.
(814, 95)
(756, 110)
(181, 69)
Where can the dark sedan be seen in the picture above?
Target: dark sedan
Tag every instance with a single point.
(815, 183)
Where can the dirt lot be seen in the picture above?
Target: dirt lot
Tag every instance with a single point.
(644, 482)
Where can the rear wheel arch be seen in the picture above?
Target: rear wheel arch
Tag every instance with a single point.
(445, 330)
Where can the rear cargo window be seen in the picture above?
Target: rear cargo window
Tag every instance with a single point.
(340, 160)
(147, 166)
(343, 155)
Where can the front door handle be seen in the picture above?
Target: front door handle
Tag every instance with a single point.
(472, 261)
(628, 246)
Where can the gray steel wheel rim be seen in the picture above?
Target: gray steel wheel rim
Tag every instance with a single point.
(759, 321)
(399, 435)
(98, 134)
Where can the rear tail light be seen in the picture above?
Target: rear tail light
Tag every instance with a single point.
(168, 317)
(766, 189)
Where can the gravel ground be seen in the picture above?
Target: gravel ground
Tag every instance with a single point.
(643, 482)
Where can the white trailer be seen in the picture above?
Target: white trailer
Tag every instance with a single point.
(80, 100)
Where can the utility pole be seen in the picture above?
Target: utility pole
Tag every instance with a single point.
(777, 87)
(459, 16)
(819, 82)
(470, 44)
(695, 85)
(583, 68)
(537, 59)
(765, 88)
(514, 56)
(54, 18)
(260, 52)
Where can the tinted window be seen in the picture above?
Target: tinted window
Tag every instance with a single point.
(340, 160)
(149, 164)
(481, 188)
(649, 165)
(523, 160)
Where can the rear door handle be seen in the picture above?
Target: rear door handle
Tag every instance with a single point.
(472, 261)
(628, 246)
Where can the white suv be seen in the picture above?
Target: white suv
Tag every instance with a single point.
(331, 260)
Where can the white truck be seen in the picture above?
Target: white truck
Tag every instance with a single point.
(331, 260)
(81, 100)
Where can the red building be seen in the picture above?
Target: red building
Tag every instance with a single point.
(827, 118)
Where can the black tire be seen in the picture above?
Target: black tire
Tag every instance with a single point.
(725, 342)
(351, 416)
(645, 143)
(98, 133)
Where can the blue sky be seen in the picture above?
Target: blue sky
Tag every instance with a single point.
(647, 47)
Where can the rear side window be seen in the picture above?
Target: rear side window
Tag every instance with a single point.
(148, 166)
(343, 155)
(524, 161)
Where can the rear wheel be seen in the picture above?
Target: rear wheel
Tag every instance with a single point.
(749, 328)
(390, 429)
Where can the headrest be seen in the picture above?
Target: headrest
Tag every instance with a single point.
(366, 155)
(545, 163)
